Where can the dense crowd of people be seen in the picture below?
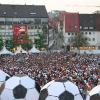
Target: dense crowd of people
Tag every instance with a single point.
(83, 70)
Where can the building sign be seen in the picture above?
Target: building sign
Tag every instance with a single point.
(20, 33)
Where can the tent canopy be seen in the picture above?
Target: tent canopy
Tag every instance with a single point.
(34, 50)
(20, 50)
(4, 51)
(3, 75)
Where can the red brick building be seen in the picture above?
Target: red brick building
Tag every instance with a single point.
(98, 22)
(71, 22)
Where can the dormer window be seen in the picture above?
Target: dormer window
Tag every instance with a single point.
(4, 12)
(15, 13)
(32, 13)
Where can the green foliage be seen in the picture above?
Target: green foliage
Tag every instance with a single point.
(26, 46)
(10, 44)
(40, 41)
(44, 29)
(22, 32)
(1, 42)
(79, 40)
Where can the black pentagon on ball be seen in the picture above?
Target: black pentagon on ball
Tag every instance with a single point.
(37, 86)
(61, 80)
(7, 77)
(66, 96)
(19, 92)
(95, 97)
(43, 94)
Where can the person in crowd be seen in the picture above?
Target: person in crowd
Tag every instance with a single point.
(83, 70)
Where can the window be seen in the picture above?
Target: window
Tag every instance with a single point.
(85, 39)
(44, 22)
(93, 39)
(68, 33)
(82, 32)
(8, 33)
(35, 27)
(3, 27)
(89, 39)
(75, 33)
(99, 47)
(85, 27)
(30, 33)
(39, 27)
(80, 27)
(72, 27)
(89, 33)
(72, 38)
(90, 27)
(37, 21)
(31, 27)
(72, 33)
(85, 32)
(69, 40)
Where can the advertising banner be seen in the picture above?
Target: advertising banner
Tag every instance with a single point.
(20, 33)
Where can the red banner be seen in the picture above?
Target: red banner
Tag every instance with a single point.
(20, 33)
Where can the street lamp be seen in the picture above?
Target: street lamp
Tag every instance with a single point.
(5, 27)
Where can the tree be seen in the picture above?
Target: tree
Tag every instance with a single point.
(27, 45)
(10, 44)
(79, 40)
(40, 41)
(44, 29)
(1, 42)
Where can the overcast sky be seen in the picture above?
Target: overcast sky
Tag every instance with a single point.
(81, 6)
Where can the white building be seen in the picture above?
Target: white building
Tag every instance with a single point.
(34, 16)
(87, 24)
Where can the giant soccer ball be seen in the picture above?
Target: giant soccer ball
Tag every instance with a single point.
(94, 94)
(19, 88)
(3, 77)
(60, 90)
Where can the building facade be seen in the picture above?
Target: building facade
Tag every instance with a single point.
(71, 26)
(34, 16)
(87, 27)
(86, 24)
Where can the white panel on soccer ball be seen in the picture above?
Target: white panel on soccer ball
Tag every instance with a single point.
(47, 85)
(32, 94)
(12, 82)
(88, 97)
(95, 90)
(3, 74)
(3, 77)
(52, 98)
(7, 94)
(72, 88)
(94, 93)
(27, 82)
(56, 89)
(78, 97)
